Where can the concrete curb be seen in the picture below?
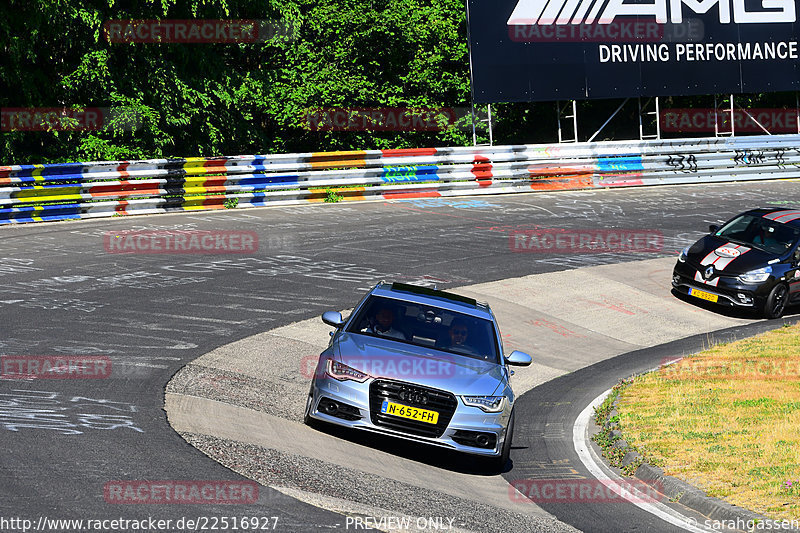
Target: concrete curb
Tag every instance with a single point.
(694, 498)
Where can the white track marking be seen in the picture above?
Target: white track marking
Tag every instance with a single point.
(593, 463)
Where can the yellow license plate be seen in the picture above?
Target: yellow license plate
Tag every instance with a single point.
(704, 295)
(413, 413)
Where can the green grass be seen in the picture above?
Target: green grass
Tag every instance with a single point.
(725, 420)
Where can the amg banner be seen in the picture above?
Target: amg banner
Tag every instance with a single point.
(544, 50)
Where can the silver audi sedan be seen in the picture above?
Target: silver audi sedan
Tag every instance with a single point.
(419, 364)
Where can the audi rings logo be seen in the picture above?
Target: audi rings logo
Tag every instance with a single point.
(411, 396)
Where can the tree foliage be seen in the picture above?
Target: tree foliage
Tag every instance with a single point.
(229, 98)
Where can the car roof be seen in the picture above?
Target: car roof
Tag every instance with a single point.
(433, 297)
(784, 215)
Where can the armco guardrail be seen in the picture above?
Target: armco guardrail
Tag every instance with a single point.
(32, 193)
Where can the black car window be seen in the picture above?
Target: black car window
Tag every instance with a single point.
(761, 233)
(427, 326)
(738, 229)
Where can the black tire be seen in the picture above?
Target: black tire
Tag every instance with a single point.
(499, 463)
(776, 301)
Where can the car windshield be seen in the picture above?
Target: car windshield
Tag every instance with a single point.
(428, 326)
(759, 232)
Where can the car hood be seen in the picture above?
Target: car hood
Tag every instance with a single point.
(391, 359)
(727, 256)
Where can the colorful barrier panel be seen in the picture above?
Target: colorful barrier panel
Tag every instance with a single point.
(34, 193)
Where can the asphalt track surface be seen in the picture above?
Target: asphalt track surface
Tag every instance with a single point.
(63, 293)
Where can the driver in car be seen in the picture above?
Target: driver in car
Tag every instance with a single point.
(382, 324)
(766, 238)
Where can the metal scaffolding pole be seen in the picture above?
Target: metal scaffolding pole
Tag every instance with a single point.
(614, 114)
(573, 116)
(656, 114)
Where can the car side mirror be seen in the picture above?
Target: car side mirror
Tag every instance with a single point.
(713, 228)
(333, 318)
(518, 358)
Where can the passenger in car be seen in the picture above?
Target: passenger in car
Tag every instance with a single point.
(458, 335)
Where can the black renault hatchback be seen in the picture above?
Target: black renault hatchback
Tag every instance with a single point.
(752, 261)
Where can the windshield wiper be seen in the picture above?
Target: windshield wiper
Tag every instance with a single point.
(737, 241)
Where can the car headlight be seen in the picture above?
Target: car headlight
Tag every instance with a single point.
(683, 254)
(756, 276)
(342, 372)
(488, 404)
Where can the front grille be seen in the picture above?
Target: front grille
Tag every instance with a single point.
(727, 296)
(442, 402)
(713, 288)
